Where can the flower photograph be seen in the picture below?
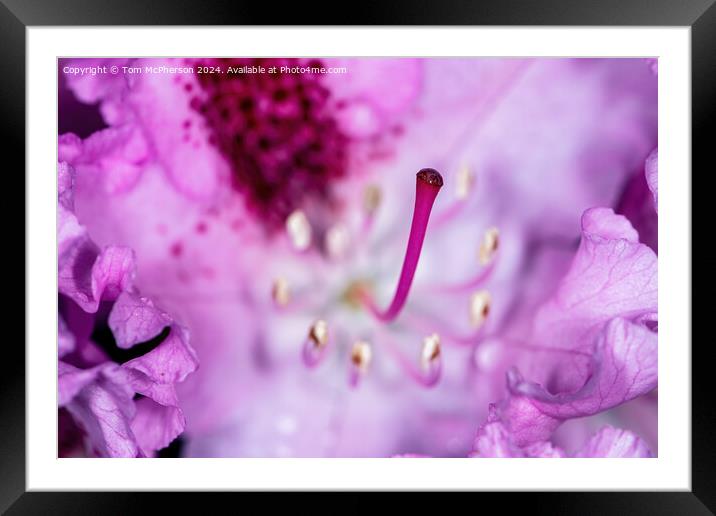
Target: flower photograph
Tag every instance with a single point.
(357, 257)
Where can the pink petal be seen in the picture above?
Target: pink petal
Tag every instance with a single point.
(613, 442)
(651, 169)
(162, 108)
(591, 349)
(117, 156)
(612, 275)
(162, 393)
(88, 275)
(170, 362)
(624, 366)
(69, 147)
(106, 88)
(71, 380)
(155, 425)
(104, 409)
(494, 440)
(65, 182)
(544, 450)
(135, 319)
(65, 339)
(375, 92)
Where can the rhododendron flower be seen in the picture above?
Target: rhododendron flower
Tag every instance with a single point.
(372, 257)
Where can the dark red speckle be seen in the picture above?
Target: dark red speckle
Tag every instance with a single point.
(277, 131)
(176, 249)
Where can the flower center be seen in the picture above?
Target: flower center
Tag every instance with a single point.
(424, 367)
(354, 292)
(277, 131)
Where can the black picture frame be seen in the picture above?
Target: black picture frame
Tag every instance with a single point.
(17, 15)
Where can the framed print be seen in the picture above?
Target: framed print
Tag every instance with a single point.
(421, 257)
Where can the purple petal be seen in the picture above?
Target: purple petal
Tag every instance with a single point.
(544, 450)
(65, 181)
(135, 319)
(112, 272)
(494, 440)
(163, 108)
(637, 204)
(613, 442)
(70, 234)
(162, 393)
(602, 222)
(80, 324)
(71, 380)
(90, 88)
(100, 399)
(652, 179)
(155, 425)
(525, 422)
(69, 146)
(379, 91)
(591, 348)
(69, 230)
(108, 88)
(104, 408)
(624, 367)
(170, 362)
(117, 157)
(612, 275)
(88, 275)
(159, 419)
(65, 339)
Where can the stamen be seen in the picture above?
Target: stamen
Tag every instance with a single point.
(479, 308)
(372, 196)
(316, 343)
(465, 182)
(280, 292)
(430, 360)
(431, 351)
(299, 230)
(486, 256)
(489, 245)
(337, 241)
(319, 333)
(463, 286)
(424, 322)
(428, 184)
(361, 355)
(354, 292)
(427, 371)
